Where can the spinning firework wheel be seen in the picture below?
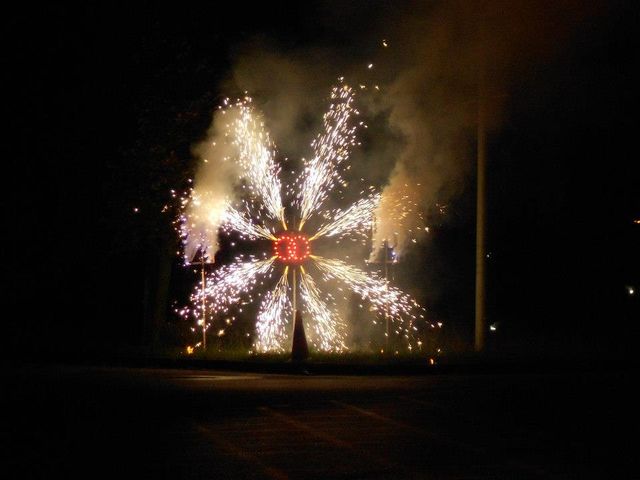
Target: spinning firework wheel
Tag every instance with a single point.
(262, 217)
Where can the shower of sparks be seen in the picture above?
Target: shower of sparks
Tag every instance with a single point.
(257, 158)
(228, 285)
(327, 331)
(236, 220)
(330, 149)
(261, 216)
(274, 310)
(354, 220)
(387, 300)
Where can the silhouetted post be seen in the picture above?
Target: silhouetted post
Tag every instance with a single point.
(299, 347)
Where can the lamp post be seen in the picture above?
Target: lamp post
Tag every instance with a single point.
(481, 219)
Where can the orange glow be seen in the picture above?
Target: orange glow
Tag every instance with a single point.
(292, 248)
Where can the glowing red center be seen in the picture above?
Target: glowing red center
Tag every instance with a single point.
(292, 247)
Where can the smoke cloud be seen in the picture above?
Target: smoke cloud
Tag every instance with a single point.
(215, 181)
(417, 71)
(440, 55)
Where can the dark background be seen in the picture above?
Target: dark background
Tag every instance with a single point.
(105, 103)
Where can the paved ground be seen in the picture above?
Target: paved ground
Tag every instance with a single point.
(121, 423)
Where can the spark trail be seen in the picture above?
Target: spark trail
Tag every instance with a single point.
(327, 329)
(354, 220)
(227, 285)
(238, 221)
(330, 149)
(386, 299)
(256, 157)
(274, 310)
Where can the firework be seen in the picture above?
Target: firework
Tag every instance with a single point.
(354, 220)
(271, 323)
(256, 158)
(330, 149)
(261, 217)
(327, 330)
(228, 285)
(386, 299)
(234, 220)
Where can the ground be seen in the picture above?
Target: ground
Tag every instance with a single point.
(170, 423)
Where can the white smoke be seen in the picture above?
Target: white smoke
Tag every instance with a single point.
(214, 188)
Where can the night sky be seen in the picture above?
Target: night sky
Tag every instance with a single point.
(106, 102)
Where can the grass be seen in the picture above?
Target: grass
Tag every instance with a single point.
(354, 358)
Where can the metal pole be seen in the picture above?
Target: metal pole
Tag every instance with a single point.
(481, 218)
(294, 295)
(204, 304)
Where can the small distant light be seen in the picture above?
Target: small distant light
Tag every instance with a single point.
(189, 350)
(631, 290)
(136, 209)
(370, 66)
(432, 361)
(637, 222)
(493, 327)
(385, 44)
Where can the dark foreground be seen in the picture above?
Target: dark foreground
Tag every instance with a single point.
(80, 422)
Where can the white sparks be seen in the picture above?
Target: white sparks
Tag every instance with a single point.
(238, 221)
(327, 331)
(260, 216)
(272, 318)
(386, 300)
(256, 157)
(330, 148)
(356, 219)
